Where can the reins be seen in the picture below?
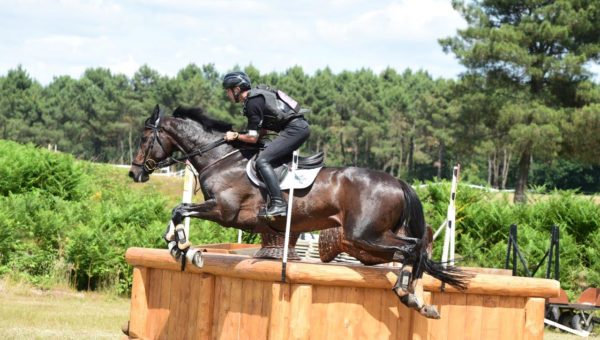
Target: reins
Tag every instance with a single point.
(172, 160)
(149, 165)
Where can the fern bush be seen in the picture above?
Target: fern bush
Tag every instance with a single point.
(60, 218)
(483, 222)
(24, 168)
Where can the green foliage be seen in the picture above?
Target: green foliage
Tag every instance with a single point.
(483, 219)
(46, 234)
(207, 232)
(536, 56)
(495, 122)
(113, 223)
(567, 174)
(405, 123)
(23, 168)
(86, 224)
(63, 218)
(37, 224)
(592, 253)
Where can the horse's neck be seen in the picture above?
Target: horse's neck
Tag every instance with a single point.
(191, 137)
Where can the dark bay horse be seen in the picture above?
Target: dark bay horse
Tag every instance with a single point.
(370, 206)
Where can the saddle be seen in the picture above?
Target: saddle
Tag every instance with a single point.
(308, 168)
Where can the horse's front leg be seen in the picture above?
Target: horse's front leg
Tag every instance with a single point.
(197, 210)
(206, 210)
(175, 235)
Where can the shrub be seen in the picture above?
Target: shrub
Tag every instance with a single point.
(483, 221)
(26, 168)
(63, 218)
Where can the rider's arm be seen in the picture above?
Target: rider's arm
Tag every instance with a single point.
(251, 136)
(253, 110)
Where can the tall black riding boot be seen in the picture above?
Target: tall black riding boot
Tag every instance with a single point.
(277, 206)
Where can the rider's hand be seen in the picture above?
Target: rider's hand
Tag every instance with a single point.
(231, 135)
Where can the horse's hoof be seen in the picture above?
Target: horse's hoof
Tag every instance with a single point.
(195, 257)
(410, 300)
(429, 312)
(169, 234)
(125, 328)
(174, 251)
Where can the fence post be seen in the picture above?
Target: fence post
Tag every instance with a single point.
(188, 192)
(450, 233)
(288, 222)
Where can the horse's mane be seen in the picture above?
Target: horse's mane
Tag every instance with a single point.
(197, 114)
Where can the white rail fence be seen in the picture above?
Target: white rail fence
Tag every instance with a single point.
(161, 172)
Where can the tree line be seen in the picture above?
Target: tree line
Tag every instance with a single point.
(407, 124)
(526, 112)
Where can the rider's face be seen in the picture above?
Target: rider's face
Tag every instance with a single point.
(230, 95)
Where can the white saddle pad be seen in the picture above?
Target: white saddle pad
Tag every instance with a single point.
(303, 178)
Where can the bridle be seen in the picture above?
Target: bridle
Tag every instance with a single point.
(149, 164)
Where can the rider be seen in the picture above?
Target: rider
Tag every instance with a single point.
(265, 111)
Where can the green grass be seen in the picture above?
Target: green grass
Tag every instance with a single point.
(62, 313)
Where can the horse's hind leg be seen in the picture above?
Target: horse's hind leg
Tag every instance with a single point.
(407, 250)
(409, 288)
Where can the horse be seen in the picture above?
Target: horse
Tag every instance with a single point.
(370, 207)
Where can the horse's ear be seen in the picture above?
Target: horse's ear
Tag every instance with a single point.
(155, 114)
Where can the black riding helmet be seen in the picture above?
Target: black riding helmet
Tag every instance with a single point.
(238, 78)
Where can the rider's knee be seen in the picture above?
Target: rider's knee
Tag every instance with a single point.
(262, 162)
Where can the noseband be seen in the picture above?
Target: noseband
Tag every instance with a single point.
(149, 164)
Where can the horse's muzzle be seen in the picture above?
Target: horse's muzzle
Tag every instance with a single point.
(138, 174)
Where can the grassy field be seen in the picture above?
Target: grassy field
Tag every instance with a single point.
(170, 187)
(555, 335)
(29, 313)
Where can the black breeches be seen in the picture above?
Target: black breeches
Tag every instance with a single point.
(289, 139)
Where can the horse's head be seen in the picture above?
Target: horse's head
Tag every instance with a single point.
(155, 146)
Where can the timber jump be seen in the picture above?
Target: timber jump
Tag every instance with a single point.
(239, 297)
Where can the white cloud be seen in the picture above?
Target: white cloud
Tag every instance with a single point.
(409, 20)
(71, 44)
(68, 36)
(127, 66)
(211, 6)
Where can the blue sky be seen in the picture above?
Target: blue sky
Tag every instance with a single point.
(52, 38)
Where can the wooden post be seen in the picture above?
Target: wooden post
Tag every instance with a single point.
(300, 303)
(234, 296)
(139, 303)
(534, 319)
(279, 323)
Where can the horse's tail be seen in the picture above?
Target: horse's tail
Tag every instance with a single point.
(451, 275)
(414, 219)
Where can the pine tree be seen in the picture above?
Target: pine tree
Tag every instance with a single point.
(537, 48)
